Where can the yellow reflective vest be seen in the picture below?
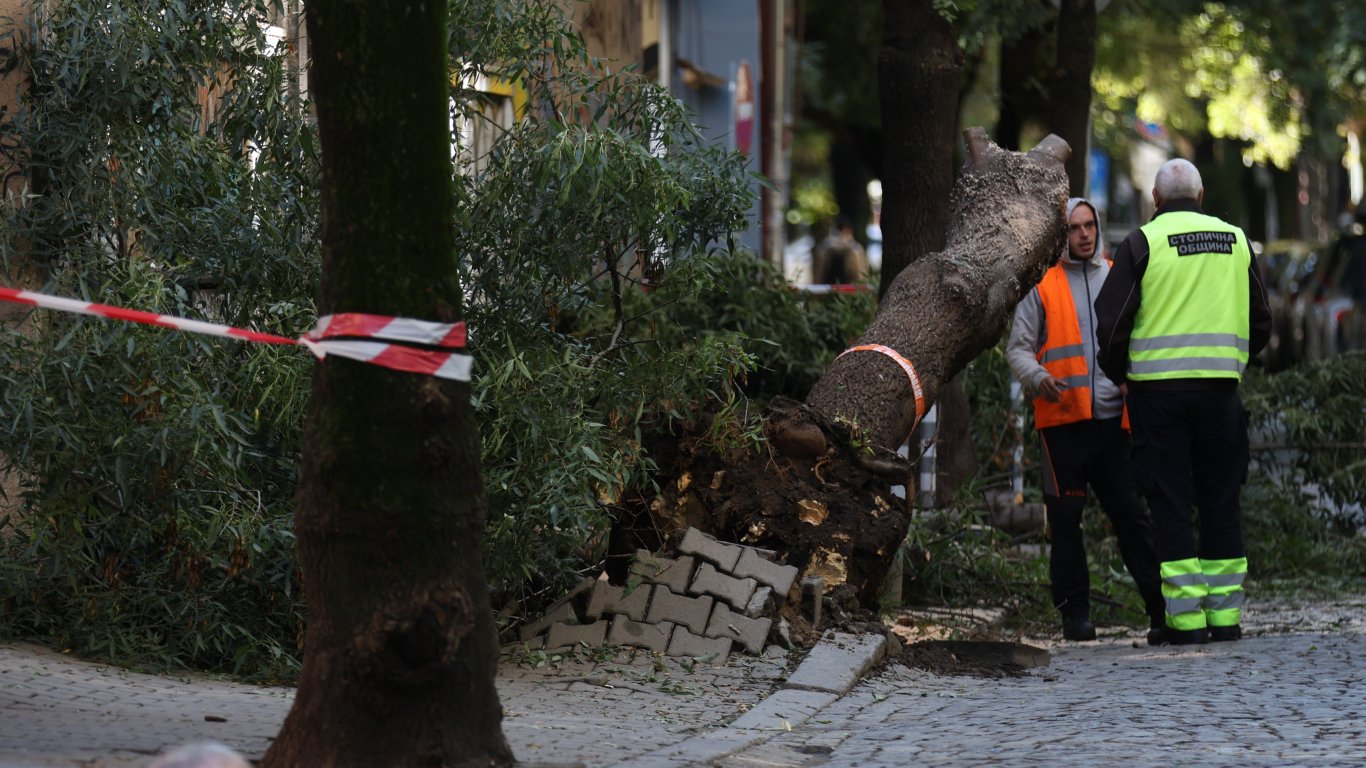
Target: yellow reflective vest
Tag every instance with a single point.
(1192, 320)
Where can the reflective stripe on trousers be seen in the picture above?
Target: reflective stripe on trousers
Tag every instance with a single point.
(1224, 601)
(1184, 590)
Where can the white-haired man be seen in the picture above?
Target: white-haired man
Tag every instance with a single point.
(1179, 316)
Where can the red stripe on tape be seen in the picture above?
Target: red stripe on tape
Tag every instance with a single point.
(359, 325)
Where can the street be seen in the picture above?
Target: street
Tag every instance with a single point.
(1273, 701)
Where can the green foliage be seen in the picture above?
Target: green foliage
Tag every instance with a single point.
(568, 417)
(602, 189)
(792, 336)
(1273, 75)
(156, 469)
(1303, 502)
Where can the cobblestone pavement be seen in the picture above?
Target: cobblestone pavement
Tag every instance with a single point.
(1292, 693)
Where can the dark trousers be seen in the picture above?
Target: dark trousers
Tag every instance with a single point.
(1191, 446)
(1095, 453)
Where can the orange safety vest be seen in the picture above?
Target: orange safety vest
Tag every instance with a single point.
(1064, 355)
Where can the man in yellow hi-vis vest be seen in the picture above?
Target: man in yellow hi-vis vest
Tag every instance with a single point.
(1182, 311)
(1080, 417)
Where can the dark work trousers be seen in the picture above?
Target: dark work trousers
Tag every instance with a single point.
(1191, 446)
(1096, 453)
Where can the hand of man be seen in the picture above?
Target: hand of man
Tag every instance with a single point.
(1051, 388)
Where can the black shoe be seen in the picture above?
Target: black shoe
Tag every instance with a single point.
(1169, 636)
(1078, 628)
(1225, 634)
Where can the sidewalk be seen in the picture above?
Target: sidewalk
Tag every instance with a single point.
(637, 709)
(1288, 694)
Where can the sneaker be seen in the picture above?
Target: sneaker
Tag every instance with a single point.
(1225, 634)
(1078, 628)
(1169, 636)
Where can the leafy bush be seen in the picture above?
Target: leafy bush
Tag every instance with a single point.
(1303, 503)
(605, 300)
(156, 469)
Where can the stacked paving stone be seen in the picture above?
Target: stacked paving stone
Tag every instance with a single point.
(700, 603)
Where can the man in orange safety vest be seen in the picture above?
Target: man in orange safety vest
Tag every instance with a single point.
(1082, 424)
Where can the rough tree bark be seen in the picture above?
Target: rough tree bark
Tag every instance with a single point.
(1006, 229)
(919, 69)
(400, 650)
(919, 76)
(1070, 99)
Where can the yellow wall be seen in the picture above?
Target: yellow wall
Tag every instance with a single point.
(10, 82)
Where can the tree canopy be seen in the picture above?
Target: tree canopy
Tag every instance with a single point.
(1271, 75)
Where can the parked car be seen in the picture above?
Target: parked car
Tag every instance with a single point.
(1336, 312)
(1289, 266)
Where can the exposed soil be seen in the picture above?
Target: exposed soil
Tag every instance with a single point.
(973, 658)
(804, 493)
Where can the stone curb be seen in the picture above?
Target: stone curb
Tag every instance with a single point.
(837, 662)
(832, 668)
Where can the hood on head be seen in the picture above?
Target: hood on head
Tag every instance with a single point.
(1072, 204)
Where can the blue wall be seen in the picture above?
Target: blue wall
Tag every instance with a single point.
(716, 35)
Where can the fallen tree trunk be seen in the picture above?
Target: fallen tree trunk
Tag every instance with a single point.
(818, 493)
(1006, 228)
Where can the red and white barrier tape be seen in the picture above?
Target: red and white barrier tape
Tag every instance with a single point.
(343, 335)
(905, 366)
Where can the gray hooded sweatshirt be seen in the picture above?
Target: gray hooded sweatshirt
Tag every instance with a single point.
(1028, 329)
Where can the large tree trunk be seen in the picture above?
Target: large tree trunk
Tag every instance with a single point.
(400, 650)
(1070, 100)
(1026, 62)
(919, 70)
(919, 75)
(1006, 229)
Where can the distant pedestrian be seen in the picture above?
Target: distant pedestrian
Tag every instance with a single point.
(1180, 314)
(838, 258)
(1080, 417)
(208, 755)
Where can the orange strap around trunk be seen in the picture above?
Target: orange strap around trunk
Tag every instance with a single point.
(905, 366)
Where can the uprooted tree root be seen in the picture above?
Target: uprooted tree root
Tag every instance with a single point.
(812, 490)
